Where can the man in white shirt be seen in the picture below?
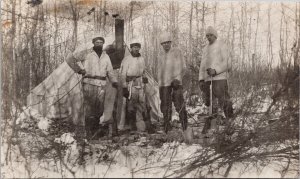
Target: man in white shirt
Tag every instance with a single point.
(133, 83)
(97, 73)
(171, 67)
(215, 66)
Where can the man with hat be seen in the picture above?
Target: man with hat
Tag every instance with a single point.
(133, 81)
(97, 72)
(171, 67)
(214, 67)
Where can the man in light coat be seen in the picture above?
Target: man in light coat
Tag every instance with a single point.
(133, 82)
(171, 68)
(98, 73)
(214, 66)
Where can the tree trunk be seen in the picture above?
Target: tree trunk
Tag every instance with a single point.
(190, 34)
(297, 47)
(255, 38)
(104, 20)
(75, 15)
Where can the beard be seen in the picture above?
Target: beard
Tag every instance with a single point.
(98, 50)
(135, 54)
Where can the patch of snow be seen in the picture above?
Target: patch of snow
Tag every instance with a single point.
(44, 124)
(66, 138)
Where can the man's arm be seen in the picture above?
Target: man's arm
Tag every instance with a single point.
(110, 71)
(184, 67)
(202, 67)
(73, 58)
(144, 76)
(158, 67)
(180, 71)
(225, 63)
(123, 72)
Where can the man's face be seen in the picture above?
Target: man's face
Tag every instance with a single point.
(98, 43)
(166, 45)
(211, 38)
(135, 49)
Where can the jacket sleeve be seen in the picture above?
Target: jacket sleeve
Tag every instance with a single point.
(112, 76)
(202, 66)
(158, 67)
(182, 67)
(225, 63)
(75, 57)
(144, 67)
(123, 72)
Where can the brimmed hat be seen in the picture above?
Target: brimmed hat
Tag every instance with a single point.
(165, 37)
(133, 44)
(211, 30)
(98, 38)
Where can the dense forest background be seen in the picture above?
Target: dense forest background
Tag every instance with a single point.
(263, 40)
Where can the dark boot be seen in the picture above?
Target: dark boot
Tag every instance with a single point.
(150, 128)
(228, 110)
(167, 126)
(132, 120)
(81, 149)
(207, 125)
(80, 133)
(88, 130)
(92, 127)
(183, 119)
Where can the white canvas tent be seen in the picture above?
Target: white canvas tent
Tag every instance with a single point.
(60, 94)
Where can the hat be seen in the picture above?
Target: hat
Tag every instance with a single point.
(98, 38)
(165, 37)
(135, 44)
(211, 30)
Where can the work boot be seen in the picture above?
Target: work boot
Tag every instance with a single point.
(81, 149)
(80, 131)
(132, 120)
(150, 128)
(207, 125)
(103, 130)
(167, 127)
(92, 126)
(228, 110)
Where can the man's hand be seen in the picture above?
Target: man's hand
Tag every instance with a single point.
(82, 72)
(115, 84)
(211, 72)
(145, 80)
(175, 84)
(201, 84)
(125, 92)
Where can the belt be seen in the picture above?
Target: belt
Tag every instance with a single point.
(131, 78)
(96, 77)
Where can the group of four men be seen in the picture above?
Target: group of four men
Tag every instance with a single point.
(98, 74)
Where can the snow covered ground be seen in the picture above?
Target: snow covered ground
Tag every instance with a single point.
(137, 159)
(131, 161)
